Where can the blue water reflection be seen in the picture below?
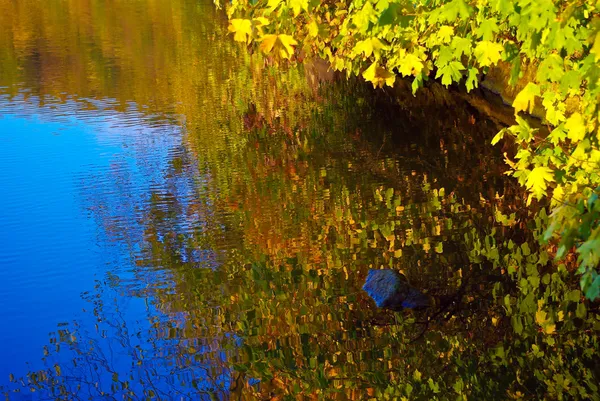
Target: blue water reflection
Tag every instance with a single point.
(77, 186)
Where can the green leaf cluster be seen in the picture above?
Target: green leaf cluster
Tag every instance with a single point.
(456, 41)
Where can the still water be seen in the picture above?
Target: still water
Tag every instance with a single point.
(181, 219)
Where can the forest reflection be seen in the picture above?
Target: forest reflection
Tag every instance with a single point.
(251, 249)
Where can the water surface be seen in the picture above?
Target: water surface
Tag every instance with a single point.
(183, 220)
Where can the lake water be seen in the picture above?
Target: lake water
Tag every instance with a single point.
(181, 219)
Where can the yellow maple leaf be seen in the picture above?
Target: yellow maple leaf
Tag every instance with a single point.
(288, 42)
(525, 100)
(298, 5)
(411, 65)
(488, 53)
(267, 43)
(368, 47)
(242, 29)
(575, 127)
(260, 21)
(379, 76)
(537, 181)
(313, 29)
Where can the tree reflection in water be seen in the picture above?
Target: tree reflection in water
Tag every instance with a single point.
(253, 245)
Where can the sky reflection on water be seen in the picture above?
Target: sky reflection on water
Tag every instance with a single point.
(76, 186)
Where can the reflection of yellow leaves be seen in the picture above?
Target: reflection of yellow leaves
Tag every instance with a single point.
(550, 329)
(516, 396)
(277, 382)
(332, 372)
(283, 44)
(540, 317)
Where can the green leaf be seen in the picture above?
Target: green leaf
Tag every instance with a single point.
(472, 80)
(570, 81)
(461, 46)
(517, 324)
(454, 9)
(555, 109)
(558, 135)
(417, 82)
(363, 18)
(581, 311)
(488, 53)
(525, 100)
(505, 7)
(515, 71)
(435, 387)
(450, 73)
(487, 29)
(551, 69)
(445, 33)
(388, 16)
(395, 14)
(445, 56)
(573, 296)
(593, 290)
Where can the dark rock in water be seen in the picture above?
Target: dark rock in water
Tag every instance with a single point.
(390, 289)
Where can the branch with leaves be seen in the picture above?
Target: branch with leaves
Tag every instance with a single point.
(456, 41)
